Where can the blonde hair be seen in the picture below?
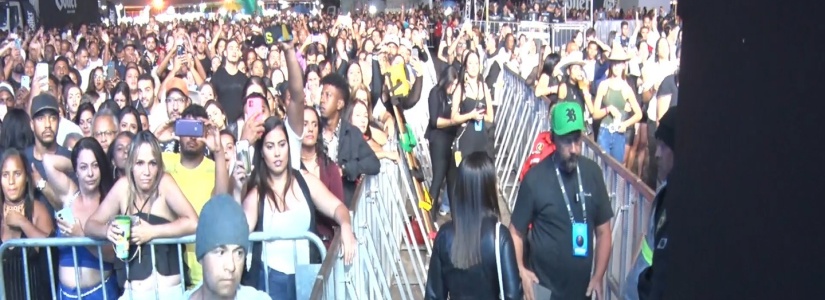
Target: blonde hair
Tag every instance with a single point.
(143, 138)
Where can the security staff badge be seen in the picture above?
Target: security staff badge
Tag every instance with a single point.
(580, 239)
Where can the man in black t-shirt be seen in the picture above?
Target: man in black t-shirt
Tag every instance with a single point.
(229, 83)
(565, 200)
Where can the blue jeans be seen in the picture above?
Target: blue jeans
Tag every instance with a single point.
(613, 143)
(281, 286)
(445, 201)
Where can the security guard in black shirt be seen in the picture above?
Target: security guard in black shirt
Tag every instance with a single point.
(565, 200)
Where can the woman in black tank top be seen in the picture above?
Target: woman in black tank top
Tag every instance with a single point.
(472, 108)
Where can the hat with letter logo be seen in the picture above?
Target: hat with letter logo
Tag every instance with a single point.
(566, 117)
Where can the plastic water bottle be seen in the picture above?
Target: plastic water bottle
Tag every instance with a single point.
(479, 124)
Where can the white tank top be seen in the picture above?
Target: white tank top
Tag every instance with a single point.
(282, 255)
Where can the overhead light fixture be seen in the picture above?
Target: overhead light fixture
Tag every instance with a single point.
(158, 4)
(373, 9)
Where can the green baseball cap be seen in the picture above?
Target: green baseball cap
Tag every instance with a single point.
(567, 117)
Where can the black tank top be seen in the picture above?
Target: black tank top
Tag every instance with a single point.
(574, 94)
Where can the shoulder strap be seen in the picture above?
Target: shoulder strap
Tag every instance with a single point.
(498, 261)
(314, 253)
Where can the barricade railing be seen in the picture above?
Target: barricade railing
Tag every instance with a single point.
(392, 240)
(305, 274)
(563, 33)
(604, 27)
(630, 198)
(556, 35)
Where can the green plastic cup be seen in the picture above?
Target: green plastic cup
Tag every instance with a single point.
(123, 223)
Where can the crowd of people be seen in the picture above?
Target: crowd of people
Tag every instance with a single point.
(209, 127)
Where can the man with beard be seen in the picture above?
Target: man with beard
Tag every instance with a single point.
(146, 91)
(45, 122)
(198, 177)
(221, 245)
(229, 82)
(565, 200)
(177, 100)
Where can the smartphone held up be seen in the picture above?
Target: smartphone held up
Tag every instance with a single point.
(278, 34)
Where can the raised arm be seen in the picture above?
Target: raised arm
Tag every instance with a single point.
(295, 108)
(57, 167)
(250, 208)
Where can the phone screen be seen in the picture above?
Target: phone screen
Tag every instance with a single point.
(26, 82)
(41, 72)
(254, 106)
(110, 71)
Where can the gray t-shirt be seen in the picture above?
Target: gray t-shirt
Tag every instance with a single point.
(244, 292)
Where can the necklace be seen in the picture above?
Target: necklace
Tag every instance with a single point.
(309, 158)
(18, 208)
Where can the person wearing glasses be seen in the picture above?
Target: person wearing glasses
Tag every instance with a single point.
(176, 98)
(104, 128)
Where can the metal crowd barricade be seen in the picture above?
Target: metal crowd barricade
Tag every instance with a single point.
(390, 264)
(604, 27)
(563, 33)
(513, 139)
(305, 274)
(494, 26)
(525, 116)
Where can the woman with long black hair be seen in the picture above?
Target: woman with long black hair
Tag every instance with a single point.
(75, 203)
(278, 201)
(473, 246)
(23, 217)
(472, 108)
(441, 132)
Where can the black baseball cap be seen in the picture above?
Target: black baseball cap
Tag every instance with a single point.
(43, 102)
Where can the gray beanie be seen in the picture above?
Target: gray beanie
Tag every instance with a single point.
(222, 222)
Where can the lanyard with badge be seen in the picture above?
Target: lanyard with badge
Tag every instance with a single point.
(580, 234)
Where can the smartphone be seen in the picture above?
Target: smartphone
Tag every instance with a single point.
(190, 128)
(415, 53)
(242, 156)
(26, 81)
(65, 214)
(181, 51)
(110, 71)
(254, 106)
(41, 72)
(278, 33)
(41, 69)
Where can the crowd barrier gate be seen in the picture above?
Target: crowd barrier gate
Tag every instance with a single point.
(629, 196)
(304, 274)
(388, 254)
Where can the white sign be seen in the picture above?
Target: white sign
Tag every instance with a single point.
(68, 6)
(579, 4)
